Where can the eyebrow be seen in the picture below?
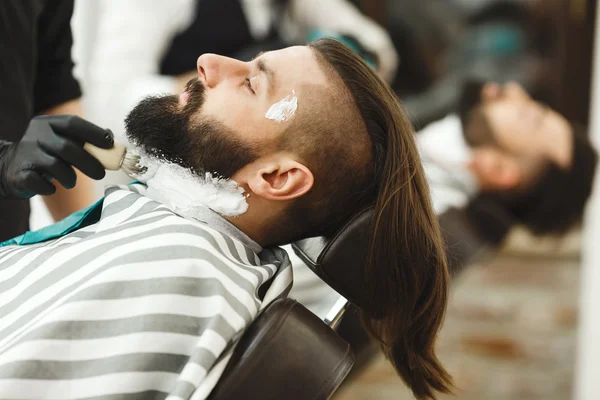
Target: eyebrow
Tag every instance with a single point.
(269, 73)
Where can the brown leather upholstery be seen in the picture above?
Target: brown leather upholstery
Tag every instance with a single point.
(340, 261)
(471, 233)
(286, 353)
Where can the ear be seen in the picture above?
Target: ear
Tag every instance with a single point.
(281, 179)
(495, 170)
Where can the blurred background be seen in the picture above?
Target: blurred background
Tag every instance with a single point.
(521, 323)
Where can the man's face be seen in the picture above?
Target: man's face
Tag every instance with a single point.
(523, 127)
(219, 123)
(518, 126)
(514, 138)
(239, 94)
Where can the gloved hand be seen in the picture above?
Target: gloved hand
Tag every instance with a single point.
(51, 146)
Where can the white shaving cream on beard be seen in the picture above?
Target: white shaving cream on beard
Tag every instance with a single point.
(283, 110)
(187, 193)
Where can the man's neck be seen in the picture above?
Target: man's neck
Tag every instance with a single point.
(226, 227)
(249, 227)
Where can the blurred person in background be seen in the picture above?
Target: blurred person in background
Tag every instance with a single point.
(443, 45)
(36, 78)
(527, 157)
(508, 151)
(504, 159)
(145, 47)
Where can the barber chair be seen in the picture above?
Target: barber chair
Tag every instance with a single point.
(473, 234)
(288, 352)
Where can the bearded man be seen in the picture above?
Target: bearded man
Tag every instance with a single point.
(133, 298)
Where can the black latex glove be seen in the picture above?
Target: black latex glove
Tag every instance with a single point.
(52, 145)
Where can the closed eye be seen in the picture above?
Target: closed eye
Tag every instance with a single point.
(249, 85)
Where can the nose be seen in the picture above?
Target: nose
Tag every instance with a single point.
(214, 69)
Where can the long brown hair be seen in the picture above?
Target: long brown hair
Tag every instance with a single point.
(406, 277)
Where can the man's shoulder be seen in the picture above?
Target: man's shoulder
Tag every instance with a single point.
(129, 213)
(129, 205)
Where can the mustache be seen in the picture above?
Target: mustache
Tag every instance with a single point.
(194, 86)
(196, 90)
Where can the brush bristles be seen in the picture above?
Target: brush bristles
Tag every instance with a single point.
(131, 165)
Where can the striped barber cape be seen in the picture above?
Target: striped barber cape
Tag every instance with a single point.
(142, 304)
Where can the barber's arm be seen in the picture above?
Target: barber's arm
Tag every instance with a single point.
(68, 199)
(45, 157)
(132, 38)
(56, 91)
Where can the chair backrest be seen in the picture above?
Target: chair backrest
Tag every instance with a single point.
(286, 353)
(473, 233)
(340, 261)
(290, 353)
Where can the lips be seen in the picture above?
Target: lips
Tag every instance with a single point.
(183, 98)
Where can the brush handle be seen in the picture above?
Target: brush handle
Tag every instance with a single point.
(111, 159)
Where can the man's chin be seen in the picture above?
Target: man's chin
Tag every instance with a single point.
(157, 127)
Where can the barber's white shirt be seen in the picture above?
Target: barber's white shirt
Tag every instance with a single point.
(445, 155)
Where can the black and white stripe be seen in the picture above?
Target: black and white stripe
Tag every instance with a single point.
(143, 304)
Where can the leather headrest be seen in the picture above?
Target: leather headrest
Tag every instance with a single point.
(340, 260)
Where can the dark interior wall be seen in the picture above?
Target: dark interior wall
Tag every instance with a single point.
(573, 56)
(373, 8)
(572, 24)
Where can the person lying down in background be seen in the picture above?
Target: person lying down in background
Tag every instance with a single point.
(149, 290)
(507, 150)
(514, 152)
(503, 160)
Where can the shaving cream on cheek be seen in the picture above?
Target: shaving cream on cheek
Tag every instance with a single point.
(283, 110)
(187, 193)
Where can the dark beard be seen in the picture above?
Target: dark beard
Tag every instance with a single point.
(164, 129)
